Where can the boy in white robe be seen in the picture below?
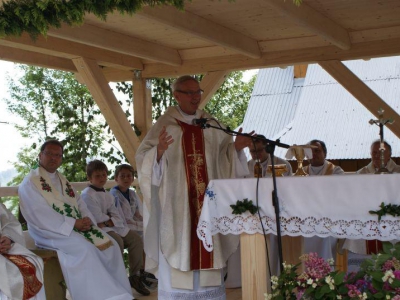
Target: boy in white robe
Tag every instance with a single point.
(14, 285)
(130, 208)
(101, 204)
(58, 219)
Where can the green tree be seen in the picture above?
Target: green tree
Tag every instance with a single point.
(54, 105)
(228, 104)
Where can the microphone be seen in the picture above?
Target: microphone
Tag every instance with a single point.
(200, 121)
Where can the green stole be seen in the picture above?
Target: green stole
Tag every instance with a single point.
(197, 181)
(42, 181)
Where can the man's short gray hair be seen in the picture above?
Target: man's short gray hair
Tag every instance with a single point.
(385, 143)
(176, 84)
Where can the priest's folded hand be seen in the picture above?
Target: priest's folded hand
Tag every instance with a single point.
(5, 244)
(83, 224)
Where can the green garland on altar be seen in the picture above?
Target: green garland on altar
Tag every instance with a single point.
(388, 209)
(37, 17)
(242, 206)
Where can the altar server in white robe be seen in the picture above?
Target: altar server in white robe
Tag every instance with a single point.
(175, 162)
(58, 219)
(21, 270)
(324, 247)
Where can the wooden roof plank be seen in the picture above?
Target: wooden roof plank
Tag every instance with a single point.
(67, 49)
(36, 59)
(314, 21)
(203, 28)
(117, 42)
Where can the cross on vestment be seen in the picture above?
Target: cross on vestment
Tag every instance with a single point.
(197, 179)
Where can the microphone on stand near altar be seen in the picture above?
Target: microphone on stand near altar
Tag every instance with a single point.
(201, 121)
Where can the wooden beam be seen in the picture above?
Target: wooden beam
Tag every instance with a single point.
(68, 49)
(314, 21)
(203, 28)
(117, 42)
(142, 104)
(361, 92)
(210, 83)
(109, 106)
(276, 59)
(36, 59)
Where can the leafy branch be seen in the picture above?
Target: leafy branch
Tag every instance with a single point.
(37, 17)
(388, 209)
(243, 206)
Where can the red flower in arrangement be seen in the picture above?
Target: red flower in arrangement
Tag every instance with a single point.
(45, 186)
(69, 190)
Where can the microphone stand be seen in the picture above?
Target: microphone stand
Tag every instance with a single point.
(275, 200)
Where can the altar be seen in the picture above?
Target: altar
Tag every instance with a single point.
(320, 205)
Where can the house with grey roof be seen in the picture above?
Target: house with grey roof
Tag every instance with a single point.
(297, 110)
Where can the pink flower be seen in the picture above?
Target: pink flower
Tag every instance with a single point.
(315, 267)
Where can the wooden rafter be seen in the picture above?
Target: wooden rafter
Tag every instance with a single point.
(314, 21)
(361, 92)
(210, 83)
(142, 104)
(117, 42)
(36, 59)
(98, 86)
(278, 58)
(67, 49)
(203, 28)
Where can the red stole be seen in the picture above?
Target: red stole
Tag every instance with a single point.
(32, 285)
(197, 181)
(374, 246)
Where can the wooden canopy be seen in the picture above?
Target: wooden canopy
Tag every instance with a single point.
(213, 38)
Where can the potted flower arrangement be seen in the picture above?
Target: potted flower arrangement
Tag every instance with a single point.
(378, 278)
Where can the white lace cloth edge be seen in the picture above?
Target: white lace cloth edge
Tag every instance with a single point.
(323, 195)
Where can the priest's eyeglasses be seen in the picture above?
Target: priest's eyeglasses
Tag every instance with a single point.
(190, 93)
(54, 155)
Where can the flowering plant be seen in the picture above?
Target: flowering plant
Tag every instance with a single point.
(378, 278)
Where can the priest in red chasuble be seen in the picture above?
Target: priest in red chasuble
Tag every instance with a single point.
(175, 162)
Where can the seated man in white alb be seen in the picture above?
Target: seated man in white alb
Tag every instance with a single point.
(21, 270)
(258, 151)
(359, 250)
(58, 219)
(324, 247)
(375, 163)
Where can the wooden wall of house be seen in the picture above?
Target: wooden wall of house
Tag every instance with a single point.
(348, 165)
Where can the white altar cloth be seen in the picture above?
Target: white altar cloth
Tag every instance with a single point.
(319, 205)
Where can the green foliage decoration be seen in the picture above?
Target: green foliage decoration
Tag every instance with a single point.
(242, 206)
(37, 17)
(388, 209)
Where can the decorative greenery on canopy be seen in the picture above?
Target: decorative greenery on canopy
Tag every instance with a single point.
(37, 17)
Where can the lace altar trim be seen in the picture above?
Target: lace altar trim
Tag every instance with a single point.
(216, 294)
(294, 226)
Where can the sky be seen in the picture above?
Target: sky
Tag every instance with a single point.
(12, 141)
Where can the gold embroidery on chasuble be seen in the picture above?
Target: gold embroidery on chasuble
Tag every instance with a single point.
(193, 149)
(32, 285)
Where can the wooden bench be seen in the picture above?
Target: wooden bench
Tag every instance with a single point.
(54, 284)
